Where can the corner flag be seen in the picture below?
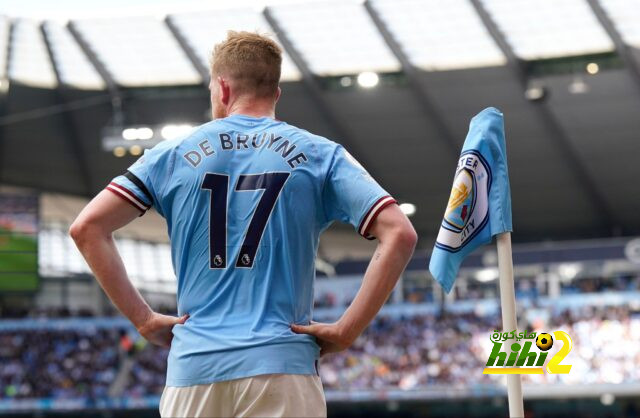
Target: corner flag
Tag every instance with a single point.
(480, 203)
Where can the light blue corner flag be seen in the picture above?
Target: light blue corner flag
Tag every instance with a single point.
(480, 203)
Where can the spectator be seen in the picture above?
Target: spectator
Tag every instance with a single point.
(401, 352)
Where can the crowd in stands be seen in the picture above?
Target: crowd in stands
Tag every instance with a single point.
(148, 373)
(401, 352)
(410, 353)
(58, 364)
(598, 284)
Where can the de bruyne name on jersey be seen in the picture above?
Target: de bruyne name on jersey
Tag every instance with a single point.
(241, 141)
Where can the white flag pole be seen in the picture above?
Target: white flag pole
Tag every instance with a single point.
(509, 322)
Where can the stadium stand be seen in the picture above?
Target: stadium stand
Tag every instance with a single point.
(411, 352)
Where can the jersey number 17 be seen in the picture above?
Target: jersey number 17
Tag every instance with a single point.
(218, 187)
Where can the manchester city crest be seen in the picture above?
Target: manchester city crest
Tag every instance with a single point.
(468, 207)
(461, 200)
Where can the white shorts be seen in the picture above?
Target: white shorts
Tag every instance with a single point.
(269, 395)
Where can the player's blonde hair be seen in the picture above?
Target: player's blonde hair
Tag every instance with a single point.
(251, 60)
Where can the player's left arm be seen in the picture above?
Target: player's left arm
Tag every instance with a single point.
(92, 232)
(352, 195)
(396, 242)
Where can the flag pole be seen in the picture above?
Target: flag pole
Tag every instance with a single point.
(509, 322)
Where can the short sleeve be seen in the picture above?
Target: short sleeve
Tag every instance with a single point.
(144, 181)
(351, 195)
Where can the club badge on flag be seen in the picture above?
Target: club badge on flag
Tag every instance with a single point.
(479, 206)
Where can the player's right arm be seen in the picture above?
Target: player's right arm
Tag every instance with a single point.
(92, 232)
(124, 199)
(396, 242)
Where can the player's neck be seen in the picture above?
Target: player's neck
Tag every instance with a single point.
(256, 109)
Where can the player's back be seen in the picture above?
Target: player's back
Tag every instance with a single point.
(245, 201)
(244, 208)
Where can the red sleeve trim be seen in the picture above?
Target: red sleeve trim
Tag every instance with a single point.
(130, 194)
(118, 191)
(372, 214)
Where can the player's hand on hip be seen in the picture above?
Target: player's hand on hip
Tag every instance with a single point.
(330, 337)
(157, 328)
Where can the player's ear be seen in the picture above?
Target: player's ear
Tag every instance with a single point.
(278, 93)
(225, 90)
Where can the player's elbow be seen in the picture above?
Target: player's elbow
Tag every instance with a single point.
(78, 230)
(402, 237)
(392, 227)
(81, 231)
(406, 237)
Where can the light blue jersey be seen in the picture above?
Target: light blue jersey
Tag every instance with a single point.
(245, 201)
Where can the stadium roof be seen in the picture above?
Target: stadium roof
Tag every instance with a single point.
(572, 141)
(332, 37)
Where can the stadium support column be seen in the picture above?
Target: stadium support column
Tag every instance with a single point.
(112, 86)
(621, 48)
(93, 59)
(584, 178)
(72, 135)
(416, 86)
(314, 89)
(188, 50)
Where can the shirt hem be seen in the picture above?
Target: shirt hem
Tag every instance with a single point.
(234, 376)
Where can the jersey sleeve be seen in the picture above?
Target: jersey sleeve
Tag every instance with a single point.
(351, 195)
(142, 184)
